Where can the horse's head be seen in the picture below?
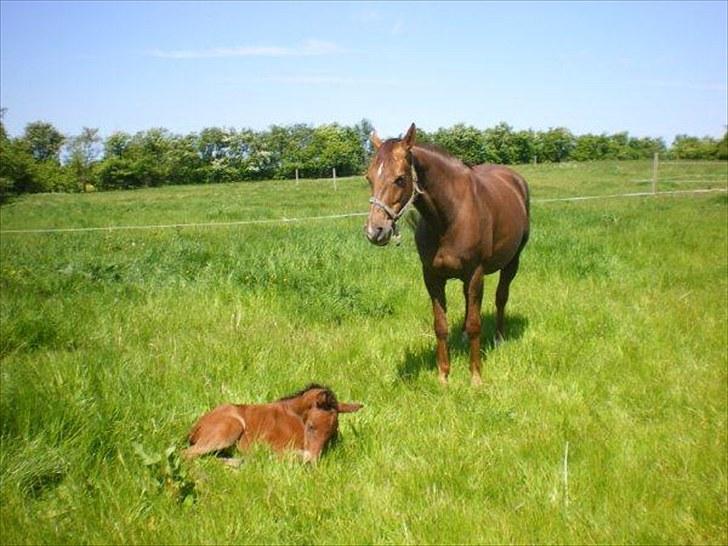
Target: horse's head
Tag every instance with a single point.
(393, 180)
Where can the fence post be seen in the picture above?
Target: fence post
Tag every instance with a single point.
(655, 162)
(334, 171)
(296, 177)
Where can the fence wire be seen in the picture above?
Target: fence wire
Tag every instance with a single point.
(280, 221)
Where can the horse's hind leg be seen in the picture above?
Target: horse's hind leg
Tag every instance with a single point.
(501, 295)
(473, 291)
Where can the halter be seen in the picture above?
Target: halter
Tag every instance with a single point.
(394, 216)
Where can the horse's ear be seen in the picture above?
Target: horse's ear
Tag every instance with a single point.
(375, 140)
(348, 408)
(409, 138)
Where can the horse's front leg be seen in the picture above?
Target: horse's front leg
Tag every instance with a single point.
(436, 288)
(473, 291)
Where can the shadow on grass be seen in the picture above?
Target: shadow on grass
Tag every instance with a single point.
(424, 358)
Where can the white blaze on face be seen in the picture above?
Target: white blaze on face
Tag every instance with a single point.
(380, 170)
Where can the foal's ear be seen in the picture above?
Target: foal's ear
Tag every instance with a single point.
(409, 138)
(325, 400)
(348, 408)
(375, 140)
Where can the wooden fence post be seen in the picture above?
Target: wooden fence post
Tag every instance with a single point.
(296, 177)
(655, 162)
(334, 171)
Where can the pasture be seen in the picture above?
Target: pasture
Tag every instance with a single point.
(602, 418)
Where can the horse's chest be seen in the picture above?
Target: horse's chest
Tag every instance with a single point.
(447, 260)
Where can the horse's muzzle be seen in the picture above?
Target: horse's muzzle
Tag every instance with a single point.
(378, 235)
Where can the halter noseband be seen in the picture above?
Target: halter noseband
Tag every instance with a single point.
(394, 216)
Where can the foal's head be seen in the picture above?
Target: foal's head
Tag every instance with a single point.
(319, 410)
(316, 396)
(392, 179)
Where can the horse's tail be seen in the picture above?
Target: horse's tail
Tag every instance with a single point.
(527, 203)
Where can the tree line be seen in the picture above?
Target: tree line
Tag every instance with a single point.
(42, 159)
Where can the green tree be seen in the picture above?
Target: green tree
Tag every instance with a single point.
(117, 144)
(687, 147)
(215, 148)
(83, 152)
(43, 141)
(333, 146)
(20, 171)
(590, 147)
(645, 148)
(555, 145)
(523, 147)
(363, 130)
(185, 163)
(497, 143)
(466, 143)
(723, 147)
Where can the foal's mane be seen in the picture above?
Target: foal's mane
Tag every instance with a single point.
(331, 401)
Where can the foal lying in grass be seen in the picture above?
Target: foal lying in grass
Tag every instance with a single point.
(305, 421)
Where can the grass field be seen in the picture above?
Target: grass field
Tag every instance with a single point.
(603, 418)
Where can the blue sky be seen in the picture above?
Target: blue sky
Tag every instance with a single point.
(650, 68)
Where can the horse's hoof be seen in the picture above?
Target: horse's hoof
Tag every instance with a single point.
(497, 340)
(476, 381)
(443, 379)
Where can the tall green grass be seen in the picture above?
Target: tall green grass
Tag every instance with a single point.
(617, 341)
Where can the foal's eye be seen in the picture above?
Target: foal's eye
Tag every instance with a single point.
(400, 182)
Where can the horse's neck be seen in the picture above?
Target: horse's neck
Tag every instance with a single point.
(442, 181)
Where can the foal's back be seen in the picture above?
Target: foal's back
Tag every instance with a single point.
(240, 424)
(272, 424)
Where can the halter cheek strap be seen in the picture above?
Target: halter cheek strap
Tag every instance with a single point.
(394, 216)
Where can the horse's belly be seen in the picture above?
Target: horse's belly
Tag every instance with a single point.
(501, 256)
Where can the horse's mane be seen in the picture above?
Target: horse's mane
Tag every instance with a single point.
(331, 401)
(442, 154)
(434, 149)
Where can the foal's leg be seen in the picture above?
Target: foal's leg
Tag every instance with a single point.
(501, 295)
(216, 435)
(436, 288)
(473, 290)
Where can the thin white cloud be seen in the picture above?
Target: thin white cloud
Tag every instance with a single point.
(367, 16)
(306, 49)
(398, 28)
(325, 80)
(694, 86)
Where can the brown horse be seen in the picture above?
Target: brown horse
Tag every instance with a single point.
(305, 421)
(474, 221)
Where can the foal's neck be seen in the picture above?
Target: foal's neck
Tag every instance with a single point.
(295, 405)
(442, 178)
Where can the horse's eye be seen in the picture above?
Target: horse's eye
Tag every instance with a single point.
(400, 182)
